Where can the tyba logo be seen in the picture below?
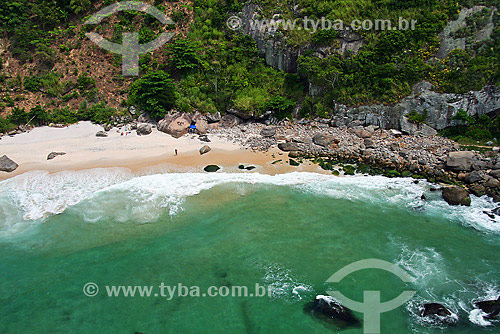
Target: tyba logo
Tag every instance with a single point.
(130, 49)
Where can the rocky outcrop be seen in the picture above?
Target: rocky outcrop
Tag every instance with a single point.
(490, 307)
(229, 121)
(323, 139)
(53, 155)
(175, 124)
(440, 109)
(439, 313)
(144, 129)
(205, 149)
(449, 39)
(456, 196)
(416, 129)
(101, 134)
(7, 165)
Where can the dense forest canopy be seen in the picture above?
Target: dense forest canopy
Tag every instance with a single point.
(211, 68)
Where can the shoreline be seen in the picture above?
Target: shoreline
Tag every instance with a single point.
(137, 153)
(307, 145)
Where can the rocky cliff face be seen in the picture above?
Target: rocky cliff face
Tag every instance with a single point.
(440, 108)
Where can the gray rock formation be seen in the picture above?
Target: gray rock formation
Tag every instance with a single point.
(144, 129)
(101, 134)
(323, 139)
(7, 165)
(175, 124)
(460, 161)
(440, 108)
(449, 42)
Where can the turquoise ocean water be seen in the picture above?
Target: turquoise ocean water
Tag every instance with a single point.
(287, 232)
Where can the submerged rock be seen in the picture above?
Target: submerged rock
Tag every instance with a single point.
(54, 155)
(490, 307)
(329, 309)
(439, 313)
(456, 196)
(211, 168)
(7, 165)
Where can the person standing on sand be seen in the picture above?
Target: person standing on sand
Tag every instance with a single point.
(175, 152)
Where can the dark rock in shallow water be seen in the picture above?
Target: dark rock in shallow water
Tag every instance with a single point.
(211, 168)
(7, 165)
(250, 168)
(329, 309)
(439, 312)
(241, 167)
(456, 196)
(490, 307)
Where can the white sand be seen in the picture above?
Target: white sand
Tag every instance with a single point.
(139, 153)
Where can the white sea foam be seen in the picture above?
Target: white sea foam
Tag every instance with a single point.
(37, 195)
(284, 285)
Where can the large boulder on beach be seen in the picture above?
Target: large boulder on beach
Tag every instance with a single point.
(214, 118)
(329, 309)
(323, 139)
(101, 134)
(201, 124)
(229, 121)
(288, 147)
(245, 115)
(176, 125)
(268, 132)
(205, 149)
(144, 129)
(7, 165)
(456, 196)
(460, 161)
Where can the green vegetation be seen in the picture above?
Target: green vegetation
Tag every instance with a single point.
(415, 117)
(154, 92)
(472, 130)
(209, 68)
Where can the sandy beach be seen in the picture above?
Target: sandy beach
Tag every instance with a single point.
(154, 152)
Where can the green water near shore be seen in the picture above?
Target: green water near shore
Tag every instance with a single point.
(235, 234)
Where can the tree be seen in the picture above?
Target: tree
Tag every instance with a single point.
(184, 56)
(154, 93)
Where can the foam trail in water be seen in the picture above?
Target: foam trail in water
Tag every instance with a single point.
(36, 195)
